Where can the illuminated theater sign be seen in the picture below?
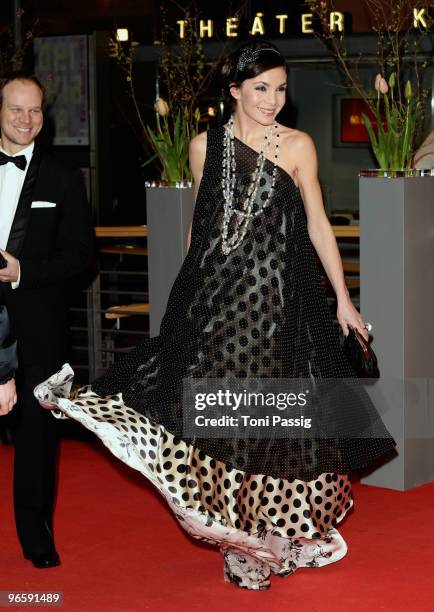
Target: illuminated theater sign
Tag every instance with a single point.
(279, 24)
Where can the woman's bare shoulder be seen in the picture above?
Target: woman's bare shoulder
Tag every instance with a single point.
(296, 139)
(198, 143)
(197, 154)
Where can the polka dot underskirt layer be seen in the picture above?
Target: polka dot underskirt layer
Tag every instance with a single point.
(242, 511)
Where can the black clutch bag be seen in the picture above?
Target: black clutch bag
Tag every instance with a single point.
(360, 355)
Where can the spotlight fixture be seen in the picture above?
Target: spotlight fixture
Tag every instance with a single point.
(122, 34)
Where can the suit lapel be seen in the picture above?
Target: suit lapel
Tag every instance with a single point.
(22, 214)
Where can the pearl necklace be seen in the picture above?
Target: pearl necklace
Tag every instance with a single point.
(243, 215)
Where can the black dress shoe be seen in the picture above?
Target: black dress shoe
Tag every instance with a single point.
(46, 560)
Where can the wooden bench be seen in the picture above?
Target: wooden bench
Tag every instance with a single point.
(120, 312)
(125, 250)
(351, 266)
(121, 231)
(346, 231)
(352, 273)
(141, 231)
(352, 282)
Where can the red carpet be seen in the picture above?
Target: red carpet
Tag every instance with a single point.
(121, 550)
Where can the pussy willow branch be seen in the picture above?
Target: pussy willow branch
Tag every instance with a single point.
(138, 112)
(125, 63)
(391, 20)
(11, 58)
(190, 48)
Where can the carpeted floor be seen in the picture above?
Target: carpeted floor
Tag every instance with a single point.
(122, 549)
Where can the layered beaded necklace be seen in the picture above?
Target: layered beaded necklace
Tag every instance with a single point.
(240, 217)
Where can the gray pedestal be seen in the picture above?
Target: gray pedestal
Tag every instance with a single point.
(169, 214)
(397, 297)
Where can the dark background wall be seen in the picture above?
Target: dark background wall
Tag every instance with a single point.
(142, 16)
(313, 85)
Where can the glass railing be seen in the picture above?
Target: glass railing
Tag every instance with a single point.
(405, 173)
(185, 184)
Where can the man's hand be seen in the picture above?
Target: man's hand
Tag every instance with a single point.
(8, 397)
(11, 272)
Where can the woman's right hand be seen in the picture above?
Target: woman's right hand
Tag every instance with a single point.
(8, 396)
(348, 315)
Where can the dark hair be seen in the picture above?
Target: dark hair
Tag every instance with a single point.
(21, 76)
(247, 62)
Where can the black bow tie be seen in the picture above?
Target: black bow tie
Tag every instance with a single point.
(20, 160)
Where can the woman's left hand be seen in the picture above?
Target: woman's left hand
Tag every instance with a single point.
(347, 314)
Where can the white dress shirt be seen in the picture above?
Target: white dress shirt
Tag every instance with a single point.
(11, 184)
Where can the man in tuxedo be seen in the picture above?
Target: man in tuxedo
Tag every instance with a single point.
(47, 240)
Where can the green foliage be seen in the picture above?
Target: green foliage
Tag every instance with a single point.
(170, 144)
(400, 106)
(392, 144)
(183, 78)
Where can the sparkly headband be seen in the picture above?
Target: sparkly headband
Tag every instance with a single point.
(251, 55)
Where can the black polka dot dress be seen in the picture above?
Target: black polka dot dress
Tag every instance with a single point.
(272, 505)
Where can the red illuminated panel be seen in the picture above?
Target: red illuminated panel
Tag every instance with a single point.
(352, 127)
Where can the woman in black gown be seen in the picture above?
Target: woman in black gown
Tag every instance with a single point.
(247, 303)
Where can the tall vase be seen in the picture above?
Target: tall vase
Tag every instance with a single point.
(169, 213)
(397, 297)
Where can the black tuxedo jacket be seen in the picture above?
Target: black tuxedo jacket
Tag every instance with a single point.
(8, 348)
(55, 246)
